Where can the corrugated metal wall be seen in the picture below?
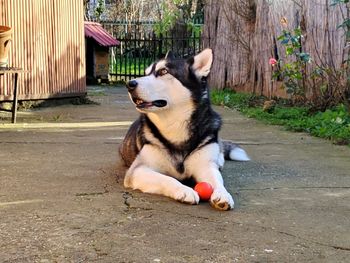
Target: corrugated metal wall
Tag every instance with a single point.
(48, 41)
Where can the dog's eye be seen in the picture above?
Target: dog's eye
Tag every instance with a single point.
(162, 72)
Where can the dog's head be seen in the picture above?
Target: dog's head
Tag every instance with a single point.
(172, 82)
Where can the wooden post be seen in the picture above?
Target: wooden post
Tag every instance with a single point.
(15, 94)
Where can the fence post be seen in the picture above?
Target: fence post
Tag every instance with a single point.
(160, 52)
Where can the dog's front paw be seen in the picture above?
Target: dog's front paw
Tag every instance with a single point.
(186, 195)
(221, 199)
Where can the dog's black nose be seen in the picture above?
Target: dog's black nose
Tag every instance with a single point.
(131, 85)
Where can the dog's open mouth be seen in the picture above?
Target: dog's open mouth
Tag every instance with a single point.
(141, 104)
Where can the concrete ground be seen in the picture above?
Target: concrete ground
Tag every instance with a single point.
(62, 199)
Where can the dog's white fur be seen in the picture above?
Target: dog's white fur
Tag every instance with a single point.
(153, 170)
(239, 154)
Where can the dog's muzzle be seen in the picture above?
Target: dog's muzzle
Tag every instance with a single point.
(139, 102)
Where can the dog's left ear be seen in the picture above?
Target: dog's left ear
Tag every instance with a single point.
(169, 55)
(202, 63)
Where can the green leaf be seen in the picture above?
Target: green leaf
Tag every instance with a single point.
(298, 75)
(275, 75)
(284, 41)
(289, 51)
(337, 2)
(345, 24)
(297, 32)
(288, 66)
(323, 88)
(305, 57)
(295, 41)
(290, 91)
(281, 37)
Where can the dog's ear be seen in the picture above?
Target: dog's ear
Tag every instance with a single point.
(149, 69)
(169, 55)
(202, 63)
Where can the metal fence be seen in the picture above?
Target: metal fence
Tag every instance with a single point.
(140, 46)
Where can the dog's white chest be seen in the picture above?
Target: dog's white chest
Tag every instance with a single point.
(163, 161)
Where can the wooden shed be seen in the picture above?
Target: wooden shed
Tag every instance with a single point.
(48, 42)
(98, 42)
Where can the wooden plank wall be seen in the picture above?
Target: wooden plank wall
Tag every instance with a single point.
(48, 41)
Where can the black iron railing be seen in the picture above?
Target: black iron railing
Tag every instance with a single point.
(140, 46)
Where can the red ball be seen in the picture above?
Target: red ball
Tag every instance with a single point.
(204, 190)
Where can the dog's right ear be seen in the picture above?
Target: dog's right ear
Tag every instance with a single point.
(202, 63)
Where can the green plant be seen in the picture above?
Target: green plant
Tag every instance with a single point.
(57, 117)
(125, 65)
(99, 9)
(333, 124)
(167, 20)
(169, 12)
(292, 73)
(231, 99)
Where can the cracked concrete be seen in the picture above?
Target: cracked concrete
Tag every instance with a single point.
(62, 200)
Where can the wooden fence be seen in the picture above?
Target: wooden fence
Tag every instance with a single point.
(48, 41)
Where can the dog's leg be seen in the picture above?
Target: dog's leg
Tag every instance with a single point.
(220, 199)
(204, 167)
(146, 180)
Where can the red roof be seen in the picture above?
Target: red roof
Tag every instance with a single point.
(102, 37)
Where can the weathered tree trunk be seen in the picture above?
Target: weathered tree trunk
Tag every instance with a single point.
(231, 55)
(243, 45)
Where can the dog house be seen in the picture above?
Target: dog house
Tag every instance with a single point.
(97, 45)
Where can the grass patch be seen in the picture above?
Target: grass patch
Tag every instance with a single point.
(234, 100)
(333, 124)
(125, 65)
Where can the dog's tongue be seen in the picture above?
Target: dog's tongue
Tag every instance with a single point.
(159, 103)
(148, 104)
(144, 105)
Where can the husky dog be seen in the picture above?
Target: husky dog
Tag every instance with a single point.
(176, 136)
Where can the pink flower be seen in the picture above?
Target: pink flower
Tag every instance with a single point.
(273, 61)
